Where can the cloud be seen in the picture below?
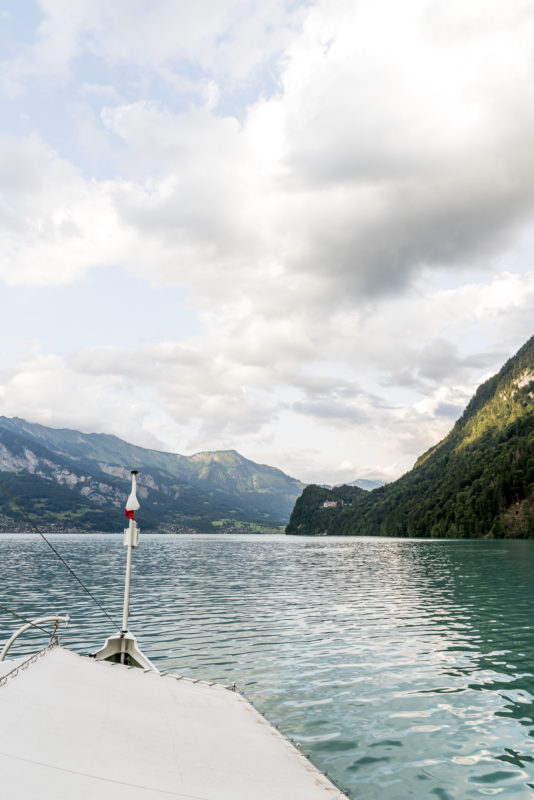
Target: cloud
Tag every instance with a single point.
(156, 39)
(281, 392)
(304, 465)
(52, 49)
(449, 410)
(377, 165)
(55, 224)
(439, 360)
(231, 39)
(407, 155)
(313, 178)
(44, 389)
(368, 166)
(332, 409)
(193, 385)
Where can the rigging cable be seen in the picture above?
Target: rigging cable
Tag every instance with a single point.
(18, 616)
(51, 546)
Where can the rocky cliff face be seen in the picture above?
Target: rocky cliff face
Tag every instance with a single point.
(76, 481)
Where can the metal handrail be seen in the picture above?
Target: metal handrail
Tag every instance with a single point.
(54, 618)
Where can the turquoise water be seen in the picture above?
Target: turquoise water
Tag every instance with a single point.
(405, 668)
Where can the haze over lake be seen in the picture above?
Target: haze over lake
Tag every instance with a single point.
(405, 668)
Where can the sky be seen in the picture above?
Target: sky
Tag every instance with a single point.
(301, 230)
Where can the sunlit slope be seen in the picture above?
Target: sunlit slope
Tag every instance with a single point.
(74, 480)
(478, 481)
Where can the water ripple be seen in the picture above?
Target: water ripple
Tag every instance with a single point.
(406, 668)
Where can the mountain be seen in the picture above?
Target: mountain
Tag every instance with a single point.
(477, 482)
(365, 483)
(69, 480)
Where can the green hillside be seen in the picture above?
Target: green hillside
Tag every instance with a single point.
(74, 481)
(477, 482)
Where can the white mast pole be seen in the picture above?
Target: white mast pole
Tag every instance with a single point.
(122, 647)
(126, 607)
(131, 542)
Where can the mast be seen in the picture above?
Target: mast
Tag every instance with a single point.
(131, 540)
(122, 647)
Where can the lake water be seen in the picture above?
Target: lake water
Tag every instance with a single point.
(405, 668)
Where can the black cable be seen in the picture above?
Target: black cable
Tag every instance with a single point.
(51, 546)
(18, 616)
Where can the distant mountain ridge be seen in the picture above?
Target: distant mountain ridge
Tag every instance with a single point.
(477, 482)
(75, 481)
(364, 483)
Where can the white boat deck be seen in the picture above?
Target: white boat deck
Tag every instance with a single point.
(73, 727)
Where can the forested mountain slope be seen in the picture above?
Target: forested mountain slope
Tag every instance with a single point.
(74, 481)
(477, 482)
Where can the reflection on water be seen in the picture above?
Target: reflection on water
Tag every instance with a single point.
(404, 667)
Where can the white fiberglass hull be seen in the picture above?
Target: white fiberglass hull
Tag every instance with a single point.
(73, 727)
